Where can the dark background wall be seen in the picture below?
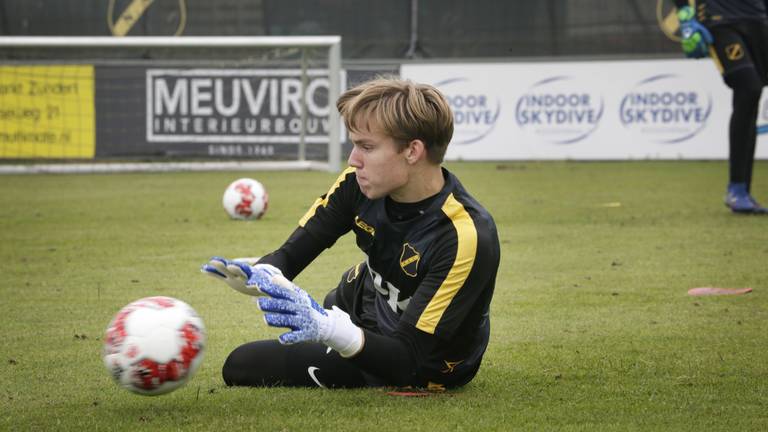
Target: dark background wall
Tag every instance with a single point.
(375, 29)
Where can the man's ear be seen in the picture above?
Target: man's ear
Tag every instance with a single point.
(415, 151)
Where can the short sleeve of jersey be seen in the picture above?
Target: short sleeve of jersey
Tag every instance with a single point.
(332, 215)
(462, 273)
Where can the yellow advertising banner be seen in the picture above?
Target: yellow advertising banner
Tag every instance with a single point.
(47, 112)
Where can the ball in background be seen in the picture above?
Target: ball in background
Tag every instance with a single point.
(245, 199)
(154, 345)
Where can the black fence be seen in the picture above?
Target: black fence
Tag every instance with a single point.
(373, 29)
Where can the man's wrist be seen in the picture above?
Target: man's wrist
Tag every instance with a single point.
(342, 335)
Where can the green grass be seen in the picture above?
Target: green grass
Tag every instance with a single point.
(592, 328)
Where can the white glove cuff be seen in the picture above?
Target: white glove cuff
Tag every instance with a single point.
(341, 334)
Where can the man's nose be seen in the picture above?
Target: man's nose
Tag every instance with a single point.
(354, 159)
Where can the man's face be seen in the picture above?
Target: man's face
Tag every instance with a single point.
(381, 168)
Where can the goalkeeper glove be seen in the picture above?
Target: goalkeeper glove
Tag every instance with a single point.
(236, 272)
(695, 38)
(289, 306)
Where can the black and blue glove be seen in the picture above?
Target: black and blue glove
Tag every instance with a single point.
(695, 38)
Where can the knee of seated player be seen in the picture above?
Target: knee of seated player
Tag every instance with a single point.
(252, 364)
(232, 371)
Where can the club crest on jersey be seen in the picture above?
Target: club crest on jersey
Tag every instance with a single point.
(409, 260)
(364, 226)
(734, 52)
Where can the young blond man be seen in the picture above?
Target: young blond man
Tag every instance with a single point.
(415, 311)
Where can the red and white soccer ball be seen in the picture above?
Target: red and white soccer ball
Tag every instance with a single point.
(245, 199)
(154, 345)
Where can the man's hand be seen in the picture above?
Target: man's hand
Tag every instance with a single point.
(289, 306)
(236, 272)
(695, 38)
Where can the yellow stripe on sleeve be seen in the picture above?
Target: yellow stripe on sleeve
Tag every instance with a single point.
(324, 201)
(462, 265)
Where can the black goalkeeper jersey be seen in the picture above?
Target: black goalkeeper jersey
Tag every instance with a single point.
(431, 277)
(728, 11)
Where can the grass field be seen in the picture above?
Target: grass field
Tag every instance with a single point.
(592, 327)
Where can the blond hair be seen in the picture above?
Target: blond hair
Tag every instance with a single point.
(400, 109)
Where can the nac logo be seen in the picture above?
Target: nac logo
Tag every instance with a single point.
(559, 111)
(475, 110)
(665, 109)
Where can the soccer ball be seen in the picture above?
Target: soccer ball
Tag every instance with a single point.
(245, 199)
(154, 345)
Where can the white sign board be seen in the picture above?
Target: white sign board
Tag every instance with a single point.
(650, 109)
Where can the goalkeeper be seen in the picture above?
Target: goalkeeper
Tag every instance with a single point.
(415, 311)
(735, 34)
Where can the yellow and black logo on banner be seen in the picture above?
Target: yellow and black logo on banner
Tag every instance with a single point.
(122, 16)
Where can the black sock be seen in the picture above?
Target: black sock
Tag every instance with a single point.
(743, 134)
